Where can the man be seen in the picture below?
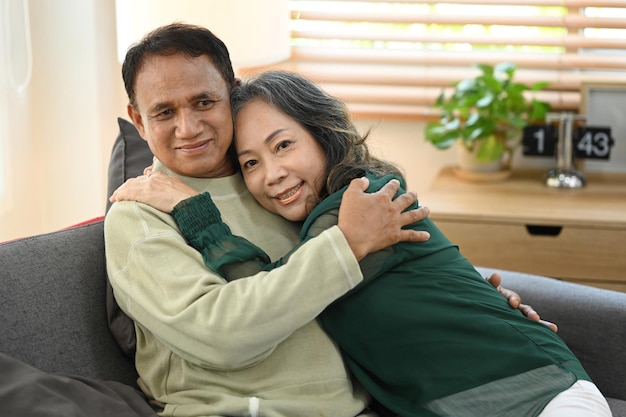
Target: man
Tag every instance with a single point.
(251, 346)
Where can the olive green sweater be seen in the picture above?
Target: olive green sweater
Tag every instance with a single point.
(206, 347)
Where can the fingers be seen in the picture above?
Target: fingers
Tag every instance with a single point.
(359, 184)
(529, 312)
(402, 202)
(550, 325)
(494, 279)
(413, 236)
(129, 188)
(373, 221)
(405, 200)
(514, 299)
(410, 217)
(533, 315)
(390, 189)
(118, 194)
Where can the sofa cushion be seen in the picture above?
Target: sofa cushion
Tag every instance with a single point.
(591, 321)
(52, 302)
(618, 407)
(29, 392)
(129, 157)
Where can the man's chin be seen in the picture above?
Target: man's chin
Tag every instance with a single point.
(205, 169)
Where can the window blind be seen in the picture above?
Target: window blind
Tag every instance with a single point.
(392, 59)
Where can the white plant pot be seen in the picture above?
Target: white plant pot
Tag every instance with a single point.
(469, 168)
(467, 160)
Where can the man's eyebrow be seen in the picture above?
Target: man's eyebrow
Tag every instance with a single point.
(157, 108)
(203, 95)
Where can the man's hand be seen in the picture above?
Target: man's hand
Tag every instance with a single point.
(372, 222)
(515, 301)
(156, 189)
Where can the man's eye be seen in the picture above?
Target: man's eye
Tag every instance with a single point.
(164, 114)
(205, 103)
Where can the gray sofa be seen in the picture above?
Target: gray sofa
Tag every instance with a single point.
(52, 312)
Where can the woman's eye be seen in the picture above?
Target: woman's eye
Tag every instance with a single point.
(283, 144)
(249, 164)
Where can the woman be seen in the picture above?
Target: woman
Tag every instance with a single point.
(424, 333)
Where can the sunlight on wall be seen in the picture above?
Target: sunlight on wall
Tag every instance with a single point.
(4, 59)
(15, 75)
(2, 141)
(1, 165)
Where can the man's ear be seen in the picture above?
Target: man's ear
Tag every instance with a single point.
(137, 120)
(237, 82)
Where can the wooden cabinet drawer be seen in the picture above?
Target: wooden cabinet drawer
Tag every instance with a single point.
(586, 255)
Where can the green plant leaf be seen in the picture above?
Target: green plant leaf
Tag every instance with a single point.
(440, 100)
(540, 85)
(489, 109)
(486, 69)
(508, 68)
(439, 136)
(465, 85)
(486, 99)
(475, 133)
(473, 119)
(538, 112)
(453, 124)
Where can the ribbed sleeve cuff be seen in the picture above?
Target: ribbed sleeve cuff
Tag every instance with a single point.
(197, 214)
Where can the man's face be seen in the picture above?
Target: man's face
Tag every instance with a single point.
(183, 112)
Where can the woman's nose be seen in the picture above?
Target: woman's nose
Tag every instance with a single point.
(275, 172)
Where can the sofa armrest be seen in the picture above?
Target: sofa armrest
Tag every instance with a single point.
(591, 321)
(52, 305)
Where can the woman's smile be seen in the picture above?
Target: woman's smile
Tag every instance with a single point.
(290, 195)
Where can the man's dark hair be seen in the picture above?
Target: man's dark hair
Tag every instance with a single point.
(176, 38)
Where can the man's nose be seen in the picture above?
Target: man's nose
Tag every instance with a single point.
(189, 124)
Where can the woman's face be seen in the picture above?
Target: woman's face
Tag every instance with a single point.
(282, 164)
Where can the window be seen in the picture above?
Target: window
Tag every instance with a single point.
(391, 59)
(15, 73)
(4, 111)
(2, 191)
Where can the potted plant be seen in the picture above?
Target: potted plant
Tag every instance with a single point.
(486, 116)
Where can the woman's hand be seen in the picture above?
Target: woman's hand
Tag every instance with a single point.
(515, 301)
(155, 189)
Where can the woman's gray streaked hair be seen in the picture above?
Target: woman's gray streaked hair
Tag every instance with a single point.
(325, 117)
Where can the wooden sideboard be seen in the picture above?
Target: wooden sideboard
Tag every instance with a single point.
(520, 224)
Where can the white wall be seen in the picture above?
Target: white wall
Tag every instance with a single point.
(402, 143)
(62, 126)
